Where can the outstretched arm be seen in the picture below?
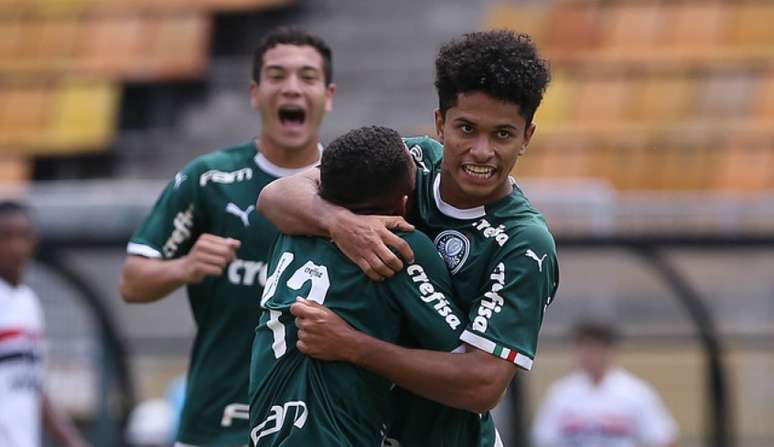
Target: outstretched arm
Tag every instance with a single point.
(473, 380)
(294, 206)
(145, 280)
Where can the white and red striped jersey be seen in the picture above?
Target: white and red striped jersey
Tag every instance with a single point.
(21, 366)
(620, 411)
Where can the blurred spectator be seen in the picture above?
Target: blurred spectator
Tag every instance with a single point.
(151, 424)
(23, 403)
(600, 404)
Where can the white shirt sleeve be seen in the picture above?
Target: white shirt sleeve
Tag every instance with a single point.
(655, 424)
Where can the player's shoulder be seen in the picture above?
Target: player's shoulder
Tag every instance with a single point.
(424, 149)
(516, 224)
(422, 246)
(227, 159)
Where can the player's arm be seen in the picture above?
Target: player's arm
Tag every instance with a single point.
(171, 248)
(60, 426)
(146, 279)
(294, 206)
(473, 380)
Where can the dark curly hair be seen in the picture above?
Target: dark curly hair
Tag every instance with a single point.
(503, 64)
(368, 166)
(292, 35)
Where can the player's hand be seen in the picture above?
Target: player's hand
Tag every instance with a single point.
(365, 240)
(209, 256)
(321, 333)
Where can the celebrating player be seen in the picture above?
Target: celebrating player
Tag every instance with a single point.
(296, 400)
(204, 232)
(497, 247)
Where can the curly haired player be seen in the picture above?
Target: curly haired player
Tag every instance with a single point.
(497, 247)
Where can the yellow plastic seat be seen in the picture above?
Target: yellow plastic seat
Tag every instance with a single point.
(84, 114)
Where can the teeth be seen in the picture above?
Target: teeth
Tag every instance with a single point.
(478, 171)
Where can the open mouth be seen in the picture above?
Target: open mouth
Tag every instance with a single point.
(292, 116)
(482, 172)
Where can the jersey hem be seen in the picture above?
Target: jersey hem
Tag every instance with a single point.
(497, 350)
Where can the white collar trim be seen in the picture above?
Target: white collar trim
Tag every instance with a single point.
(278, 171)
(449, 210)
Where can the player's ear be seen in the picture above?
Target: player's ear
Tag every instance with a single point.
(330, 90)
(254, 96)
(439, 125)
(527, 137)
(403, 206)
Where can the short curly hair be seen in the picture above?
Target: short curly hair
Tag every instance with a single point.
(292, 35)
(503, 64)
(368, 165)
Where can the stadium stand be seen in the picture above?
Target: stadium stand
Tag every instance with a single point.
(682, 80)
(63, 64)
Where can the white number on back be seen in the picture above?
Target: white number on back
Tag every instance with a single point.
(317, 274)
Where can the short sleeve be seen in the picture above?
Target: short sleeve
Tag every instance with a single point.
(506, 317)
(423, 292)
(655, 425)
(174, 222)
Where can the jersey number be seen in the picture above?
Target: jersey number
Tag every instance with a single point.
(317, 274)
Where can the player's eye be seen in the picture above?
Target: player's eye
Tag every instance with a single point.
(504, 134)
(466, 129)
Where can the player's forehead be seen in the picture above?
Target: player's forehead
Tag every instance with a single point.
(15, 223)
(292, 57)
(484, 110)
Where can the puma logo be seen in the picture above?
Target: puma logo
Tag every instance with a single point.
(531, 254)
(243, 215)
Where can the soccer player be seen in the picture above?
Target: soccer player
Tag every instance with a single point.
(497, 247)
(204, 233)
(299, 401)
(23, 403)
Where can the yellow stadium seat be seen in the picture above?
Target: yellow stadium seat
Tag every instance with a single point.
(572, 26)
(24, 114)
(753, 24)
(10, 41)
(665, 98)
(699, 24)
(529, 19)
(84, 114)
(602, 100)
(633, 25)
(558, 101)
(180, 46)
(746, 165)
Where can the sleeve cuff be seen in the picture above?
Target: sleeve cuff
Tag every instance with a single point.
(497, 350)
(134, 248)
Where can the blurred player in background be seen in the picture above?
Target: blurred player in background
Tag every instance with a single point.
(299, 401)
(204, 233)
(23, 402)
(601, 404)
(497, 247)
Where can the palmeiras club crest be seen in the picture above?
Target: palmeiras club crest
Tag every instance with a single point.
(454, 248)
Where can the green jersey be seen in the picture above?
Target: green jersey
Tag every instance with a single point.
(216, 194)
(299, 401)
(502, 259)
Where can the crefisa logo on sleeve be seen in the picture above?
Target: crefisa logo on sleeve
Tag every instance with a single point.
(454, 248)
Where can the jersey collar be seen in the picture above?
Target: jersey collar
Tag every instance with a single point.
(449, 210)
(278, 171)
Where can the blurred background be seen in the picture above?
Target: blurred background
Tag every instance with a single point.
(653, 161)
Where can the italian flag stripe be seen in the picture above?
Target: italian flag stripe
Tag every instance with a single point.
(496, 349)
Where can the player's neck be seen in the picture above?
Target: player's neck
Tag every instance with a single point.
(289, 158)
(453, 195)
(13, 280)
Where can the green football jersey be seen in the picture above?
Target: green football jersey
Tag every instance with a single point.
(504, 269)
(216, 194)
(299, 401)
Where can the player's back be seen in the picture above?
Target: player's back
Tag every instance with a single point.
(296, 400)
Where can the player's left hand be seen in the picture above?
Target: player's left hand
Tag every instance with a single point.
(321, 333)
